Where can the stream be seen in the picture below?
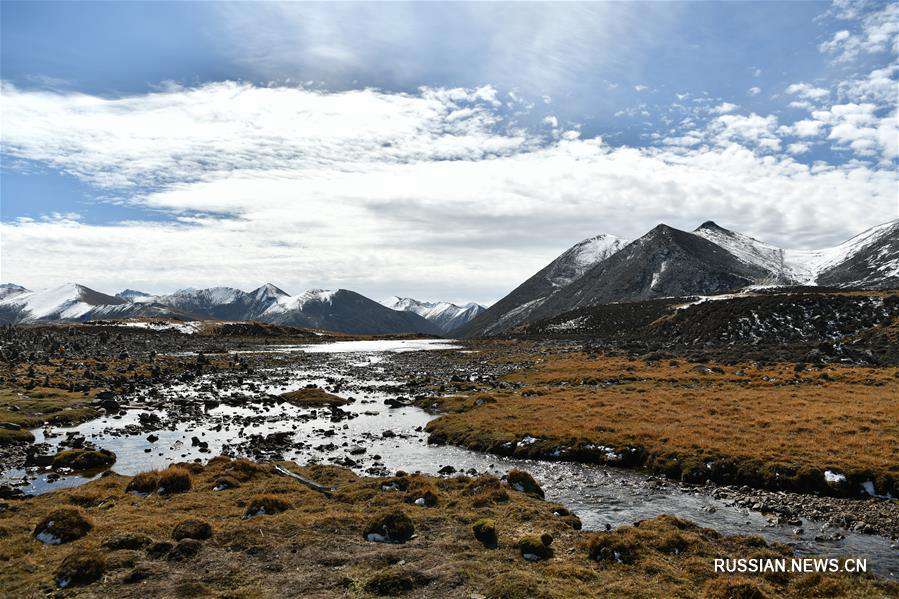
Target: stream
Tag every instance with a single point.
(600, 495)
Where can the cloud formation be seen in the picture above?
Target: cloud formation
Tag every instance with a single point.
(432, 194)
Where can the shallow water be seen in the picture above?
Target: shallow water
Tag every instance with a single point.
(599, 495)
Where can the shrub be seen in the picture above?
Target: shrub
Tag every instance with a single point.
(126, 540)
(262, 505)
(732, 588)
(174, 480)
(485, 532)
(192, 529)
(524, 482)
(185, 549)
(144, 483)
(390, 527)
(80, 567)
(393, 582)
(83, 459)
(62, 526)
(534, 548)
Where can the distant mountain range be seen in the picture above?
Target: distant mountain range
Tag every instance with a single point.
(448, 317)
(667, 262)
(341, 310)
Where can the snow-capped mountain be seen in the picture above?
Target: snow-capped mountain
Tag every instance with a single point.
(667, 262)
(345, 311)
(71, 302)
(870, 259)
(447, 316)
(570, 266)
(133, 295)
(341, 310)
(9, 289)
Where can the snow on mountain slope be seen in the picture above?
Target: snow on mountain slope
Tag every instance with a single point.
(66, 302)
(884, 261)
(288, 303)
(578, 259)
(133, 295)
(10, 289)
(753, 252)
(809, 267)
(567, 268)
(446, 315)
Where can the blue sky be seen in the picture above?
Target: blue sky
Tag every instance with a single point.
(439, 150)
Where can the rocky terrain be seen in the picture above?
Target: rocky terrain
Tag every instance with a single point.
(160, 396)
(787, 324)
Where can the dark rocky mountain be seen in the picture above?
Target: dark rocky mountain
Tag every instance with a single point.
(518, 306)
(345, 311)
(667, 262)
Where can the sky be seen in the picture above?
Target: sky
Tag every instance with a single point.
(442, 151)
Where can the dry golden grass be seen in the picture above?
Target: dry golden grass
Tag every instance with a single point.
(312, 397)
(316, 548)
(762, 427)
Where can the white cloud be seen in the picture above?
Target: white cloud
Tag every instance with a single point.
(806, 90)
(798, 148)
(640, 88)
(807, 128)
(428, 194)
(878, 33)
(724, 107)
(551, 121)
(754, 90)
(754, 129)
(879, 86)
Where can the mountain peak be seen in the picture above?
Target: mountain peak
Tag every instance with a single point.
(711, 225)
(270, 290)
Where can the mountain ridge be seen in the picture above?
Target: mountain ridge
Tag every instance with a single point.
(341, 310)
(447, 316)
(668, 262)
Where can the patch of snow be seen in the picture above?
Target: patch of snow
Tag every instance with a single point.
(801, 267)
(188, 328)
(834, 478)
(656, 276)
(579, 258)
(48, 538)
